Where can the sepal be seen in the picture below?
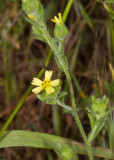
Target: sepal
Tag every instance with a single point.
(50, 98)
(30, 6)
(65, 152)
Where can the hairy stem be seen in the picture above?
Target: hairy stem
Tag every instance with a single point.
(65, 67)
(77, 117)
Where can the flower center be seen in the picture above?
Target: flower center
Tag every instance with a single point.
(46, 83)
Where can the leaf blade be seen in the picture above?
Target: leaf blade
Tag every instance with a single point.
(46, 141)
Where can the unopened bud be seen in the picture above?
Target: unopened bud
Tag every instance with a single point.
(60, 31)
(99, 105)
(30, 6)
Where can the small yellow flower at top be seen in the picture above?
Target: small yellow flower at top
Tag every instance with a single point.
(57, 20)
(47, 84)
(31, 16)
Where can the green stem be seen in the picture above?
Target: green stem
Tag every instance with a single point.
(47, 36)
(64, 106)
(71, 89)
(77, 117)
(67, 9)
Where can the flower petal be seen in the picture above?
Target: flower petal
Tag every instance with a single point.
(37, 90)
(48, 75)
(56, 19)
(36, 82)
(53, 20)
(60, 18)
(55, 82)
(50, 90)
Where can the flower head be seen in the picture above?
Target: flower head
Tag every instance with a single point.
(57, 20)
(47, 84)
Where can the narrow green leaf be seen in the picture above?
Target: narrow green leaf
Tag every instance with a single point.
(84, 13)
(46, 141)
(62, 94)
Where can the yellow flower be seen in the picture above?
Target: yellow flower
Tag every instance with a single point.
(57, 20)
(31, 16)
(47, 84)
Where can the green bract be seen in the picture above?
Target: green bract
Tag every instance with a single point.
(50, 98)
(65, 152)
(30, 6)
(99, 105)
(60, 31)
(98, 114)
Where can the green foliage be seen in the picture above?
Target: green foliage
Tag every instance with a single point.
(58, 61)
(98, 114)
(39, 27)
(65, 152)
(30, 6)
(62, 94)
(99, 105)
(47, 141)
(50, 98)
(38, 34)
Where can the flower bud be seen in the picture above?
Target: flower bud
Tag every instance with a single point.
(65, 152)
(99, 105)
(30, 6)
(34, 9)
(60, 31)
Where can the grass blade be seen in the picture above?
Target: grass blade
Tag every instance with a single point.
(46, 141)
(84, 13)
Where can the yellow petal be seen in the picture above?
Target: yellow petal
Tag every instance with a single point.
(53, 20)
(55, 82)
(50, 90)
(57, 20)
(48, 75)
(37, 90)
(60, 19)
(36, 82)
